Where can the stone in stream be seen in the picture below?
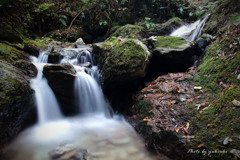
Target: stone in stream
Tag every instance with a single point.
(121, 60)
(16, 102)
(69, 152)
(27, 68)
(171, 52)
(61, 78)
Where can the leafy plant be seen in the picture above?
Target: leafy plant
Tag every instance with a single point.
(63, 20)
(148, 23)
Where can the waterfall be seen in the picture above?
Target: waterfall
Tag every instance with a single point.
(47, 105)
(191, 32)
(105, 138)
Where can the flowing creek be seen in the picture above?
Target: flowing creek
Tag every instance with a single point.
(103, 137)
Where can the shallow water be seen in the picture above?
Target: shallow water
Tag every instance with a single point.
(104, 139)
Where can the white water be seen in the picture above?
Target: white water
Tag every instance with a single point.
(90, 98)
(47, 105)
(191, 32)
(104, 138)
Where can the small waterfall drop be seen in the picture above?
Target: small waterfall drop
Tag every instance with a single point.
(90, 98)
(104, 138)
(191, 32)
(47, 105)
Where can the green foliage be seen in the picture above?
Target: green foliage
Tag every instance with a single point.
(148, 23)
(44, 7)
(103, 23)
(63, 20)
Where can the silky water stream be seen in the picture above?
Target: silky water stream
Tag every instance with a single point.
(104, 138)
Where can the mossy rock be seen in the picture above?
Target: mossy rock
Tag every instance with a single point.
(171, 52)
(130, 31)
(33, 47)
(219, 17)
(167, 27)
(168, 46)
(15, 101)
(10, 54)
(121, 60)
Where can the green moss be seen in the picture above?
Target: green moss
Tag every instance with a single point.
(129, 31)
(170, 42)
(218, 122)
(126, 58)
(172, 20)
(9, 54)
(34, 44)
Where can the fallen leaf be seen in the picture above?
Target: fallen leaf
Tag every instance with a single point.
(169, 104)
(190, 100)
(200, 145)
(151, 111)
(146, 119)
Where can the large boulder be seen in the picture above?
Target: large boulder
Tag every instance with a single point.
(33, 47)
(172, 51)
(121, 60)
(166, 28)
(11, 54)
(61, 79)
(28, 69)
(16, 102)
(130, 31)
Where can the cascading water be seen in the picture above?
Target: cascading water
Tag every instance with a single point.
(104, 138)
(47, 105)
(191, 32)
(90, 98)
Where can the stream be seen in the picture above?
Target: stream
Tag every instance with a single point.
(92, 129)
(103, 134)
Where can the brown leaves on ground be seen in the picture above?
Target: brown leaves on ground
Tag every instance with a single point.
(170, 94)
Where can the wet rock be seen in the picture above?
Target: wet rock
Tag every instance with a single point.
(33, 47)
(121, 60)
(69, 152)
(79, 41)
(61, 79)
(169, 52)
(54, 57)
(166, 28)
(16, 102)
(203, 42)
(27, 68)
